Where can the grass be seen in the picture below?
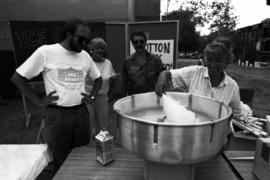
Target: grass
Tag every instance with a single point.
(12, 126)
(12, 118)
(259, 80)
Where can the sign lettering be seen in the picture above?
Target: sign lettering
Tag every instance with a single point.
(162, 48)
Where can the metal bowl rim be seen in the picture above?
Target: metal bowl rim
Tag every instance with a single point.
(212, 121)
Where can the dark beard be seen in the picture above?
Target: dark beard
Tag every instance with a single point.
(73, 46)
(140, 49)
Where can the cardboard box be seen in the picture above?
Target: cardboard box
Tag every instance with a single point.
(104, 148)
(261, 167)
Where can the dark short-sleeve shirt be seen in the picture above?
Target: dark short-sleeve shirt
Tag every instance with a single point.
(141, 79)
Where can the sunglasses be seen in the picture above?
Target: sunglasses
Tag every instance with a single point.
(138, 42)
(82, 39)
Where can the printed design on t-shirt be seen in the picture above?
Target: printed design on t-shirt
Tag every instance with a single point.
(70, 75)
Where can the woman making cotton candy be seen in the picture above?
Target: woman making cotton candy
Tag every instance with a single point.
(210, 80)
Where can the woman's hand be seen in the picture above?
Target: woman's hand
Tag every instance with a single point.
(163, 82)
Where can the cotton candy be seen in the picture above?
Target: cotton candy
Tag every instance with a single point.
(176, 113)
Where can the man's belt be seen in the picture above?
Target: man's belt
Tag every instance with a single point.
(67, 107)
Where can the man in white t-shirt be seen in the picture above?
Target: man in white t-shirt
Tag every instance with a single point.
(64, 67)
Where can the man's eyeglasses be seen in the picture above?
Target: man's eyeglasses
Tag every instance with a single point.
(82, 39)
(138, 42)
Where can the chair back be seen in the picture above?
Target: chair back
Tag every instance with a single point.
(246, 95)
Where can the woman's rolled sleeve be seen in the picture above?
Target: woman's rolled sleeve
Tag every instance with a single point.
(235, 102)
(181, 78)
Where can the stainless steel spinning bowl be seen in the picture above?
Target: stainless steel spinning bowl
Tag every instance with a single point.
(170, 143)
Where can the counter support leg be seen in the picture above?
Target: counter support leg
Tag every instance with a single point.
(157, 171)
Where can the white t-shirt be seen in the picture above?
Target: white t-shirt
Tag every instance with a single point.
(107, 71)
(63, 71)
(195, 80)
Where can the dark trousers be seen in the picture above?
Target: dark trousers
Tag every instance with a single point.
(64, 129)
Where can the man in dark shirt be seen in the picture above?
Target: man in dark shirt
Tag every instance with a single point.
(141, 69)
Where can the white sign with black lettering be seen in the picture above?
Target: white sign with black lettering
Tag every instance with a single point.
(163, 48)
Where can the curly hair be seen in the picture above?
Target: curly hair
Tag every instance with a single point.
(214, 48)
(227, 42)
(71, 26)
(97, 41)
(138, 33)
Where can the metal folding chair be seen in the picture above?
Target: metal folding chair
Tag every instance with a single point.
(38, 87)
(246, 95)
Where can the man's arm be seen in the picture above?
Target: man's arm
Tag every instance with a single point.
(159, 66)
(24, 87)
(89, 99)
(96, 87)
(124, 80)
(124, 86)
(111, 87)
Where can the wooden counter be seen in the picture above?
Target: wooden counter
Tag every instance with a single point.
(81, 164)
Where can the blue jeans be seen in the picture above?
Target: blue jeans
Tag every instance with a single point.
(64, 129)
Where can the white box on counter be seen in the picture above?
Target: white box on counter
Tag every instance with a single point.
(104, 148)
(261, 167)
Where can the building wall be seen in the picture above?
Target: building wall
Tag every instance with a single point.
(5, 36)
(63, 9)
(46, 10)
(94, 10)
(146, 10)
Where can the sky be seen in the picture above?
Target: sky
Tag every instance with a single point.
(249, 12)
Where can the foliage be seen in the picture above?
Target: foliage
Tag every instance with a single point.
(224, 21)
(218, 15)
(199, 11)
(192, 14)
(188, 37)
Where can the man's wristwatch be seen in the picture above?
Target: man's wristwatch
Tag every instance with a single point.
(93, 98)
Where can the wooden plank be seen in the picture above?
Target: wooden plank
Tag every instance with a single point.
(214, 169)
(242, 163)
(244, 168)
(82, 165)
(239, 154)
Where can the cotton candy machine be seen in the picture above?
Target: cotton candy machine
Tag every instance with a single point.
(142, 132)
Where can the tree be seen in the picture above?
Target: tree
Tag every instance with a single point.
(192, 14)
(188, 37)
(217, 15)
(223, 19)
(199, 9)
